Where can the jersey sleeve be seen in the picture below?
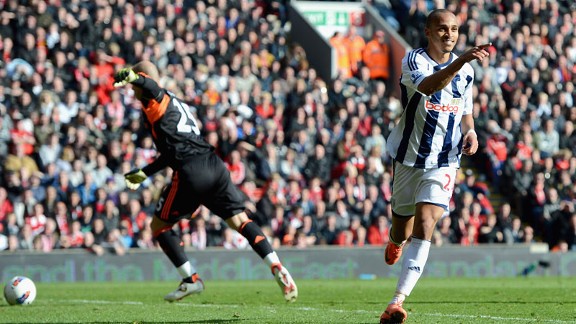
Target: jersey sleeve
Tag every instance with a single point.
(158, 164)
(150, 89)
(415, 68)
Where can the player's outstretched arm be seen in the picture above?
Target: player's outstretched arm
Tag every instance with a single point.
(151, 89)
(124, 76)
(135, 177)
(161, 162)
(440, 79)
(476, 53)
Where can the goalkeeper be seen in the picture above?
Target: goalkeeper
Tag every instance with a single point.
(200, 177)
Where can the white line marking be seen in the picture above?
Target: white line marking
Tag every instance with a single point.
(313, 309)
(497, 318)
(90, 301)
(206, 305)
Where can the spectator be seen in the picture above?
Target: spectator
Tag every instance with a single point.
(101, 172)
(6, 206)
(87, 189)
(376, 57)
(329, 232)
(37, 220)
(355, 45)
(318, 166)
(75, 106)
(343, 61)
(489, 231)
(76, 236)
(49, 239)
(19, 160)
(520, 186)
(62, 218)
(506, 223)
(548, 139)
(50, 150)
(571, 233)
(447, 234)
(378, 231)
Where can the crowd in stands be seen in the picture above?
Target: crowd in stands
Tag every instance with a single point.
(309, 154)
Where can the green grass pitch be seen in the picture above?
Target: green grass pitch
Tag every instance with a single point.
(454, 300)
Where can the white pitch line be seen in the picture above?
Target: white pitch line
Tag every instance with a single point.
(206, 305)
(313, 309)
(496, 318)
(90, 301)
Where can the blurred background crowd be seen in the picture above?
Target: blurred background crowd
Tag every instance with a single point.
(309, 154)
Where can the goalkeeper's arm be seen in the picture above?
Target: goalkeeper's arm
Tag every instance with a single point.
(150, 89)
(135, 177)
(160, 163)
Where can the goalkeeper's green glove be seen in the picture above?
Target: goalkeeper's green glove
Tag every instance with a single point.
(134, 178)
(124, 76)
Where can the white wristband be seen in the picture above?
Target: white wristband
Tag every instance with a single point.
(471, 131)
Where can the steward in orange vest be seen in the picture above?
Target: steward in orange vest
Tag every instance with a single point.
(376, 57)
(342, 58)
(355, 45)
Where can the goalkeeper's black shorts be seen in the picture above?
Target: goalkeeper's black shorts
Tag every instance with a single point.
(203, 180)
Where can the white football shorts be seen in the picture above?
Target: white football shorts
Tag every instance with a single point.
(412, 185)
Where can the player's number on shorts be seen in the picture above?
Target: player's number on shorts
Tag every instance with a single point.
(448, 181)
(160, 204)
(187, 122)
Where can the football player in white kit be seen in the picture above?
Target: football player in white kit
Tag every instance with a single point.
(436, 127)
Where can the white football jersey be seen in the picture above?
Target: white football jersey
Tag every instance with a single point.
(429, 134)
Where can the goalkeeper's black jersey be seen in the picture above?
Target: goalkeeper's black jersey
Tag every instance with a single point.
(173, 126)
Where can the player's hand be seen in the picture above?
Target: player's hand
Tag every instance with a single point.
(477, 53)
(134, 178)
(470, 143)
(124, 76)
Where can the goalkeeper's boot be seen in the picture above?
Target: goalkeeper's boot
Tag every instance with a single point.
(393, 252)
(285, 281)
(185, 289)
(394, 313)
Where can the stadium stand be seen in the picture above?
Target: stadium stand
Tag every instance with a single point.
(308, 153)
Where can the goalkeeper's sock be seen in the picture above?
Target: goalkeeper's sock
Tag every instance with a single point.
(415, 257)
(187, 272)
(272, 259)
(171, 245)
(191, 279)
(258, 241)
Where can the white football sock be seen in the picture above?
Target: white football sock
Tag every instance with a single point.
(398, 299)
(271, 258)
(186, 270)
(415, 256)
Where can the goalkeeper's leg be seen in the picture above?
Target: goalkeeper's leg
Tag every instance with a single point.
(171, 244)
(253, 233)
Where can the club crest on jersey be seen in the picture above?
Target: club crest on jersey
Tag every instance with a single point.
(414, 76)
(449, 108)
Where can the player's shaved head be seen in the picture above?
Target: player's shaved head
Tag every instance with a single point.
(147, 68)
(435, 15)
